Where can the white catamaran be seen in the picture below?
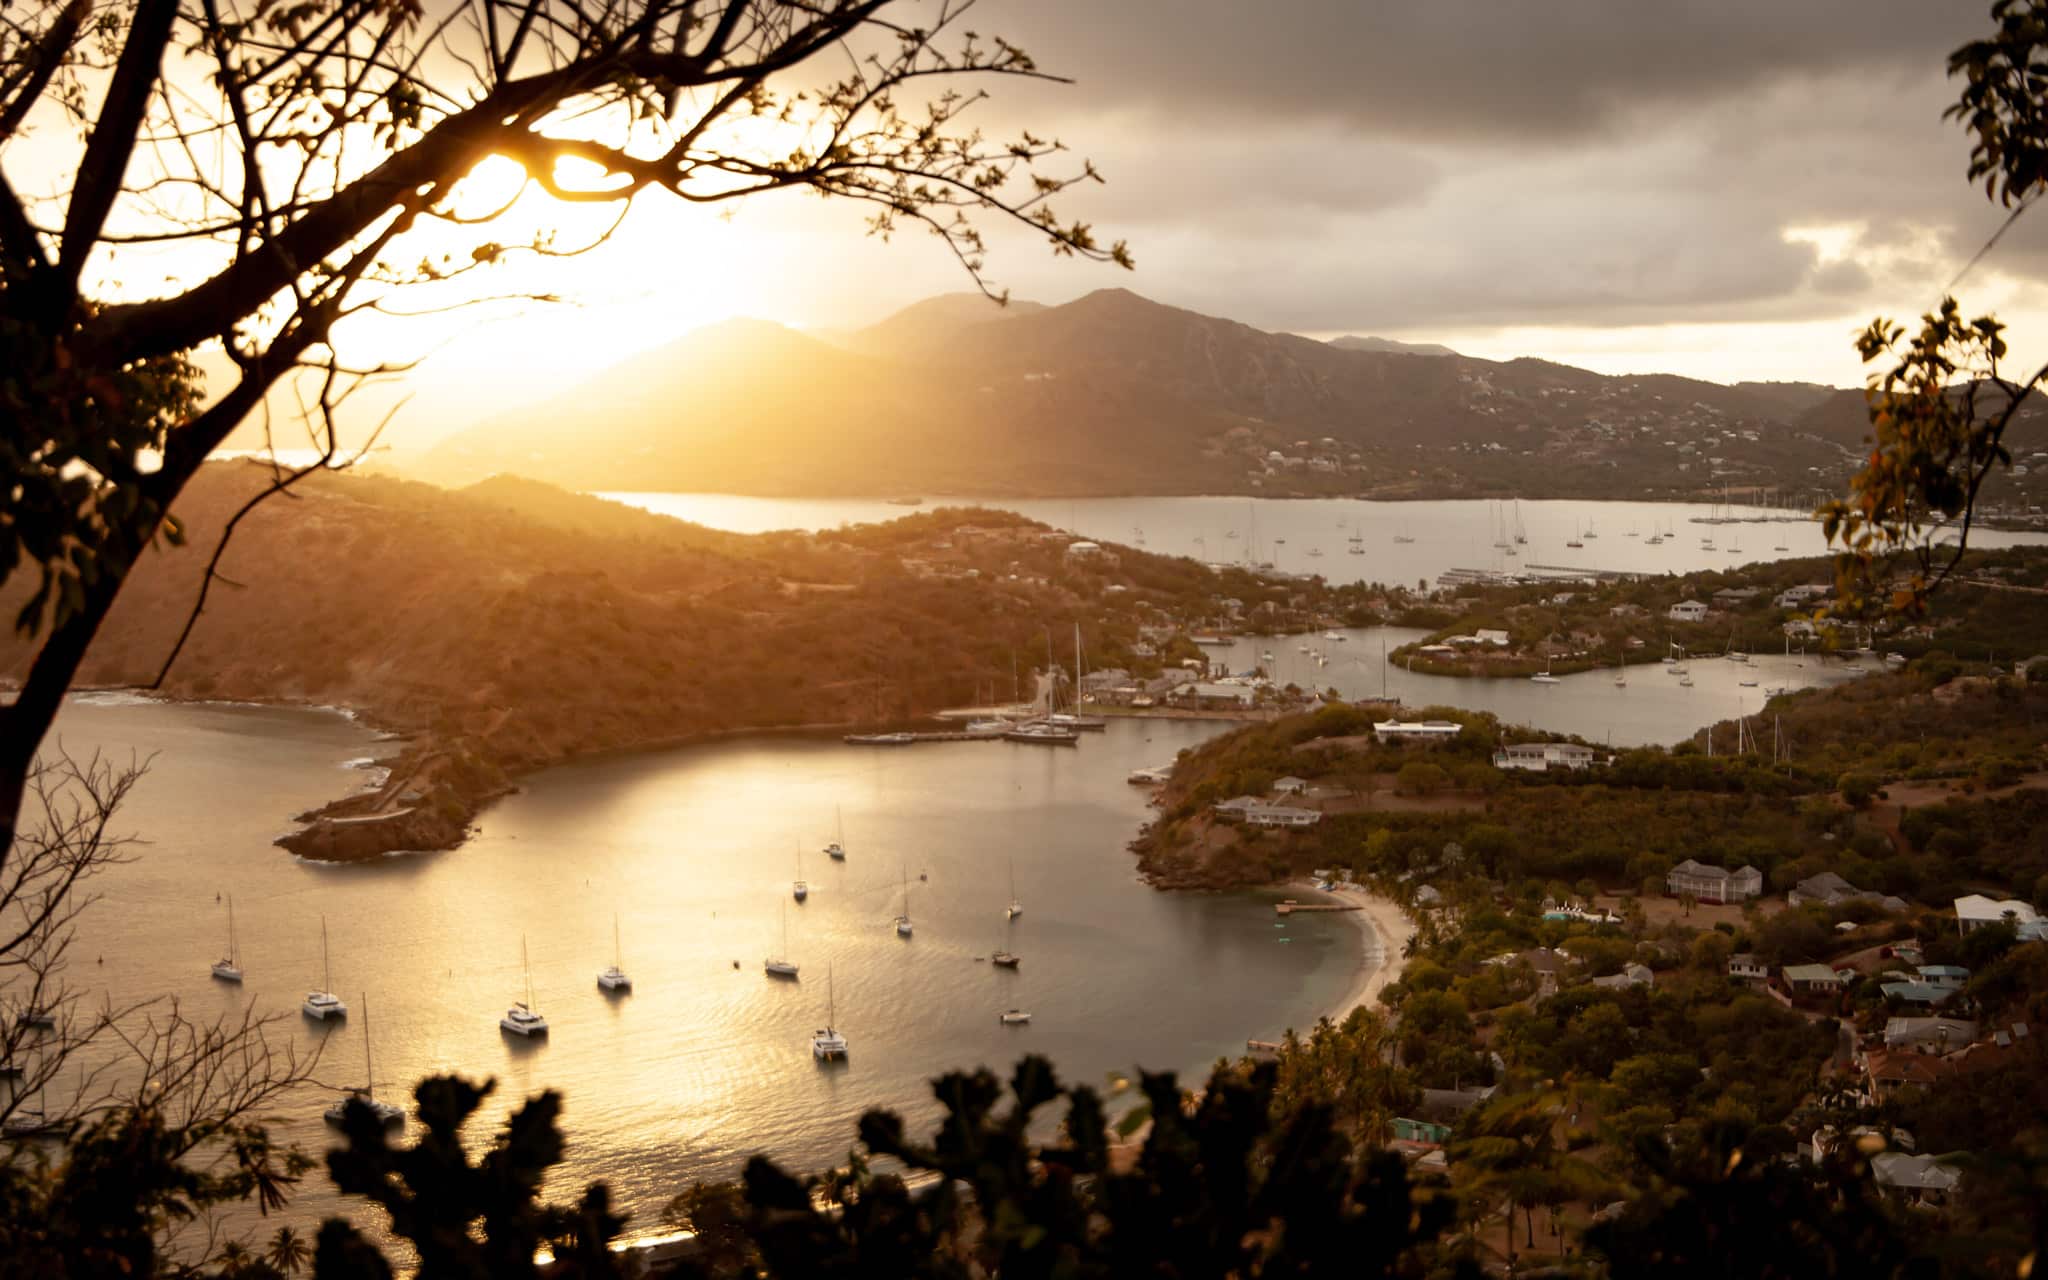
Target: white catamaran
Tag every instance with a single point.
(324, 1004)
(826, 1042)
(614, 978)
(521, 1019)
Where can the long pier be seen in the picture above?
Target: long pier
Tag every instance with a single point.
(1289, 907)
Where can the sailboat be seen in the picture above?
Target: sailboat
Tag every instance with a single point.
(1620, 673)
(1573, 541)
(1012, 1017)
(614, 978)
(826, 1042)
(1015, 908)
(837, 849)
(1073, 720)
(520, 1019)
(229, 967)
(1003, 959)
(324, 1004)
(31, 1122)
(800, 890)
(782, 968)
(386, 1113)
(1521, 535)
(1544, 676)
(903, 921)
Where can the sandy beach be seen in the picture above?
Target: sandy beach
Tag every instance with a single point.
(1387, 931)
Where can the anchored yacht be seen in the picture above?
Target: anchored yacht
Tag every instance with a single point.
(520, 1019)
(324, 1004)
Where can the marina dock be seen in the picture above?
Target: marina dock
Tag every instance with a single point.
(1290, 906)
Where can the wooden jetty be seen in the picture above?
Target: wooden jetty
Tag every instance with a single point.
(1290, 906)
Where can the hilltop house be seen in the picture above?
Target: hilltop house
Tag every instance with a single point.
(1974, 911)
(1745, 967)
(1688, 611)
(1416, 731)
(1828, 889)
(1539, 757)
(1289, 786)
(1812, 980)
(1696, 880)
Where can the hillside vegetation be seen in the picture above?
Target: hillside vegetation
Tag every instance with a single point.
(513, 624)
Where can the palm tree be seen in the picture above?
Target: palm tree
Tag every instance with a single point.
(1511, 1156)
(287, 1252)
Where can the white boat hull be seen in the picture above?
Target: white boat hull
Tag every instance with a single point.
(779, 969)
(614, 980)
(1014, 1017)
(321, 1006)
(227, 972)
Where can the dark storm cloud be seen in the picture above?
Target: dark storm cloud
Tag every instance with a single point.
(1331, 164)
(1447, 69)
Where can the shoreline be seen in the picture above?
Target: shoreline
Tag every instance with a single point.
(1387, 931)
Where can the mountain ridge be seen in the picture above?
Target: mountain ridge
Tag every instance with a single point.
(1117, 394)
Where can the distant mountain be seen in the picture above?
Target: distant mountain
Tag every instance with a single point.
(1791, 399)
(923, 327)
(1387, 346)
(1115, 394)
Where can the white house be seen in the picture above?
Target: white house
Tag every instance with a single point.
(1289, 786)
(1690, 879)
(1541, 756)
(1280, 815)
(1416, 730)
(1485, 635)
(1974, 911)
(1688, 611)
(1744, 967)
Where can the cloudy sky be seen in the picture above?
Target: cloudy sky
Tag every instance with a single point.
(1724, 188)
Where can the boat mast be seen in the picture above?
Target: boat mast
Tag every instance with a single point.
(369, 1070)
(1077, 667)
(618, 952)
(527, 964)
(326, 974)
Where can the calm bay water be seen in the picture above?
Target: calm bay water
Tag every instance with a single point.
(1653, 707)
(1447, 535)
(695, 850)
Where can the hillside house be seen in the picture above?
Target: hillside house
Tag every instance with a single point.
(1974, 911)
(1733, 597)
(1280, 815)
(1702, 883)
(1928, 1035)
(1812, 980)
(1539, 757)
(1491, 636)
(1914, 1179)
(1234, 809)
(1920, 993)
(1631, 975)
(1416, 730)
(1828, 889)
(1688, 611)
(1744, 967)
(1290, 786)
